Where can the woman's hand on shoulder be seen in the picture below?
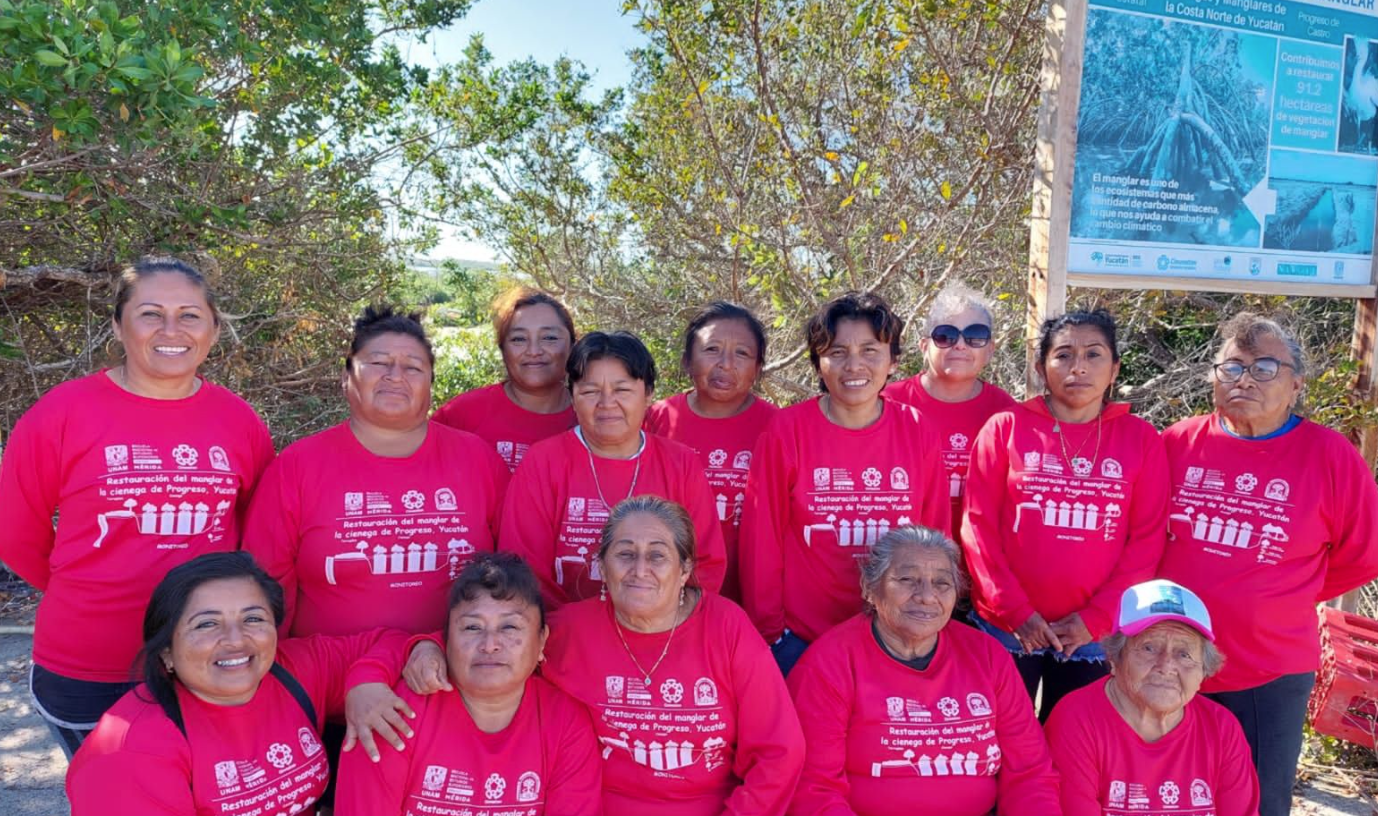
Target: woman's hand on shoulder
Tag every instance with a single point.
(426, 672)
(373, 708)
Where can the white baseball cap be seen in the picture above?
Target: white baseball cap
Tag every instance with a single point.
(1143, 605)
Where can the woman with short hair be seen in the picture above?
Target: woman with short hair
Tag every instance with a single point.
(145, 465)
(957, 344)
(720, 417)
(534, 332)
(1142, 737)
(1270, 514)
(831, 475)
(902, 710)
(1066, 507)
(497, 736)
(567, 485)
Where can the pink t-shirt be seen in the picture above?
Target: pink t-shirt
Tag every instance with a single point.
(360, 540)
(544, 762)
(262, 757)
(140, 485)
(713, 733)
(1200, 768)
(959, 736)
(553, 514)
(957, 424)
(1042, 534)
(724, 448)
(817, 496)
(1262, 530)
(503, 424)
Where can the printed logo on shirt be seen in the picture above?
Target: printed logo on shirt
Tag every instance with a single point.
(851, 532)
(185, 456)
(871, 478)
(958, 441)
(511, 453)
(1232, 522)
(219, 459)
(901, 709)
(717, 458)
(279, 755)
(979, 705)
(167, 519)
(899, 479)
(414, 500)
(614, 687)
(1277, 490)
(116, 457)
(672, 692)
(310, 746)
(1118, 792)
(528, 787)
(146, 457)
(1201, 793)
(354, 503)
(732, 510)
(705, 692)
(494, 787)
(742, 461)
(950, 708)
(412, 560)
(434, 779)
(1169, 792)
(1194, 475)
(1111, 469)
(445, 499)
(226, 776)
(1245, 482)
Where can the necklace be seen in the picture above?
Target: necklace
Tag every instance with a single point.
(597, 485)
(1079, 465)
(646, 675)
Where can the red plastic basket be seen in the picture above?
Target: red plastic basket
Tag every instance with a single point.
(1344, 703)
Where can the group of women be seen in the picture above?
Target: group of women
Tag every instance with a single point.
(412, 561)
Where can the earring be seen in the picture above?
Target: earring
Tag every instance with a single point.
(603, 591)
(681, 597)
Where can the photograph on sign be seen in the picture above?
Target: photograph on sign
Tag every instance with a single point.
(1229, 140)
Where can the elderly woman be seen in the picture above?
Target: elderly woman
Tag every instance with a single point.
(1066, 507)
(720, 417)
(496, 736)
(228, 717)
(1271, 513)
(686, 700)
(567, 485)
(145, 465)
(956, 347)
(1141, 739)
(902, 710)
(831, 475)
(534, 333)
(367, 523)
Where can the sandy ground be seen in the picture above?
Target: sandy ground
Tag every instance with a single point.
(32, 768)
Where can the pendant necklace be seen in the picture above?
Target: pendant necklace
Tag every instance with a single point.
(646, 675)
(1088, 465)
(597, 485)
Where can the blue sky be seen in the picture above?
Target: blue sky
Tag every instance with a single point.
(593, 32)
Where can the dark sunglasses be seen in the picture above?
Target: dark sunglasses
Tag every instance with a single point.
(977, 335)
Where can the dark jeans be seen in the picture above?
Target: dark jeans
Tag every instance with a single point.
(71, 708)
(1272, 716)
(787, 651)
(1059, 677)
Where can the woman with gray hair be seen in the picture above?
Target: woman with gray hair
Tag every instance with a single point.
(1142, 734)
(900, 707)
(1270, 513)
(957, 344)
(688, 706)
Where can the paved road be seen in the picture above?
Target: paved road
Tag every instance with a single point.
(32, 768)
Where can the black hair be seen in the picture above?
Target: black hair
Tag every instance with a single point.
(1098, 319)
(866, 307)
(622, 346)
(506, 305)
(381, 319)
(169, 602)
(501, 576)
(723, 310)
(149, 266)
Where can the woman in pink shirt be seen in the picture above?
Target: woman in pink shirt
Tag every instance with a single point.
(1142, 739)
(534, 333)
(146, 465)
(1066, 507)
(720, 417)
(228, 718)
(957, 344)
(903, 711)
(495, 736)
(567, 485)
(831, 475)
(1270, 514)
